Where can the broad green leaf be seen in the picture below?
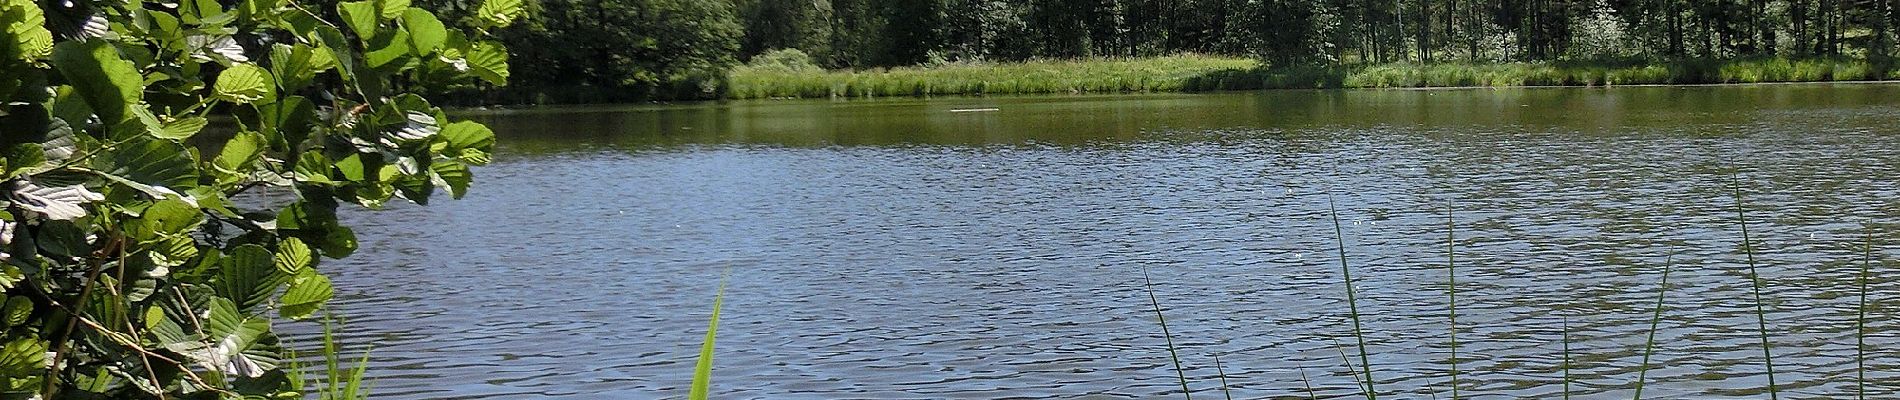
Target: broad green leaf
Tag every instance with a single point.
(295, 66)
(240, 152)
(248, 277)
(23, 158)
(144, 163)
(361, 16)
(338, 242)
(453, 176)
(489, 61)
(108, 83)
(312, 167)
(25, 25)
(24, 356)
(169, 216)
(426, 33)
(392, 9)
(499, 13)
(245, 84)
(293, 256)
(351, 167)
(16, 311)
(468, 135)
(182, 128)
(387, 47)
(307, 293)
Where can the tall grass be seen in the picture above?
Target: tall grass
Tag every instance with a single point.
(1761, 316)
(702, 370)
(1196, 73)
(1352, 298)
(1116, 75)
(1222, 372)
(1166, 336)
(1655, 321)
(337, 383)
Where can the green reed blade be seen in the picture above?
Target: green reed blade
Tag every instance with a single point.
(1566, 364)
(1860, 323)
(1165, 335)
(1761, 316)
(1310, 394)
(1451, 291)
(1350, 369)
(1649, 347)
(1222, 372)
(1352, 301)
(702, 371)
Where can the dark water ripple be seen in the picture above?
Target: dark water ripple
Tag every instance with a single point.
(933, 267)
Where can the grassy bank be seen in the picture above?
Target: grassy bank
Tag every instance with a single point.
(1195, 73)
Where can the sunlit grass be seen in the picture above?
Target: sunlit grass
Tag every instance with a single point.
(1197, 73)
(1167, 336)
(702, 369)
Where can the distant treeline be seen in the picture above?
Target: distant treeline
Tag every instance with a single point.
(618, 50)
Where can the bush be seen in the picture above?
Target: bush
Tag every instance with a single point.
(788, 60)
(137, 258)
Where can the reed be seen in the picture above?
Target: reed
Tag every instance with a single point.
(1197, 73)
(1451, 290)
(1352, 298)
(1222, 372)
(702, 370)
(1167, 336)
(1310, 394)
(1565, 365)
(1761, 316)
(1655, 321)
(336, 382)
(1860, 323)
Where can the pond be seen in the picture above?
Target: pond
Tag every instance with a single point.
(995, 247)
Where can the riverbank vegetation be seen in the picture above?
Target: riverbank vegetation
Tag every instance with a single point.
(777, 77)
(632, 50)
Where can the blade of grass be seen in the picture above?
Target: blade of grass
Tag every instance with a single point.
(1566, 364)
(702, 370)
(1451, 291)
(1761, 316)
(1310, 394)
(1223, 377)
(1350, 370)
(1860, 323)
(1165, 335)
(1352, 301)
(1649, 347)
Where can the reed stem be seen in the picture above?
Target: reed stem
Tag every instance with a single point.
(1655, 320)
(1860, 323)
(1451, 285)
(1761, 315)
(1352, 301)
(1165, 335)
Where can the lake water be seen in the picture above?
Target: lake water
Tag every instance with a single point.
(912, 249)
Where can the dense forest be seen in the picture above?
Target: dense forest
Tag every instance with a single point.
(681, 48)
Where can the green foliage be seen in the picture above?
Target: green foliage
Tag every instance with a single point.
(136, 264)
(702, 369)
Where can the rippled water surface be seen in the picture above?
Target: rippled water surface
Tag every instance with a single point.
(904, 250)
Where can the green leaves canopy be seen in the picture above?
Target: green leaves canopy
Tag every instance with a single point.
(128, 264)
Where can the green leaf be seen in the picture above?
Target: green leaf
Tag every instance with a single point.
(165, 217)
(17, 310)
(392, 9)
(24, 356)
(293, 256)
(295, 66)
(312, 167)
(387, 48)
(108, 83)
(361, 16)
(240, 152)
(702, 370)
(338, 242)
(25, 25)
(248, 276)
(426, 33)
(489, 61)
(499, 13)
(245, 84)
(144, 163)
(453, 176)
(182, 128)
(468, 135)
(306, 295)
(351, 167)
(23, 158)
